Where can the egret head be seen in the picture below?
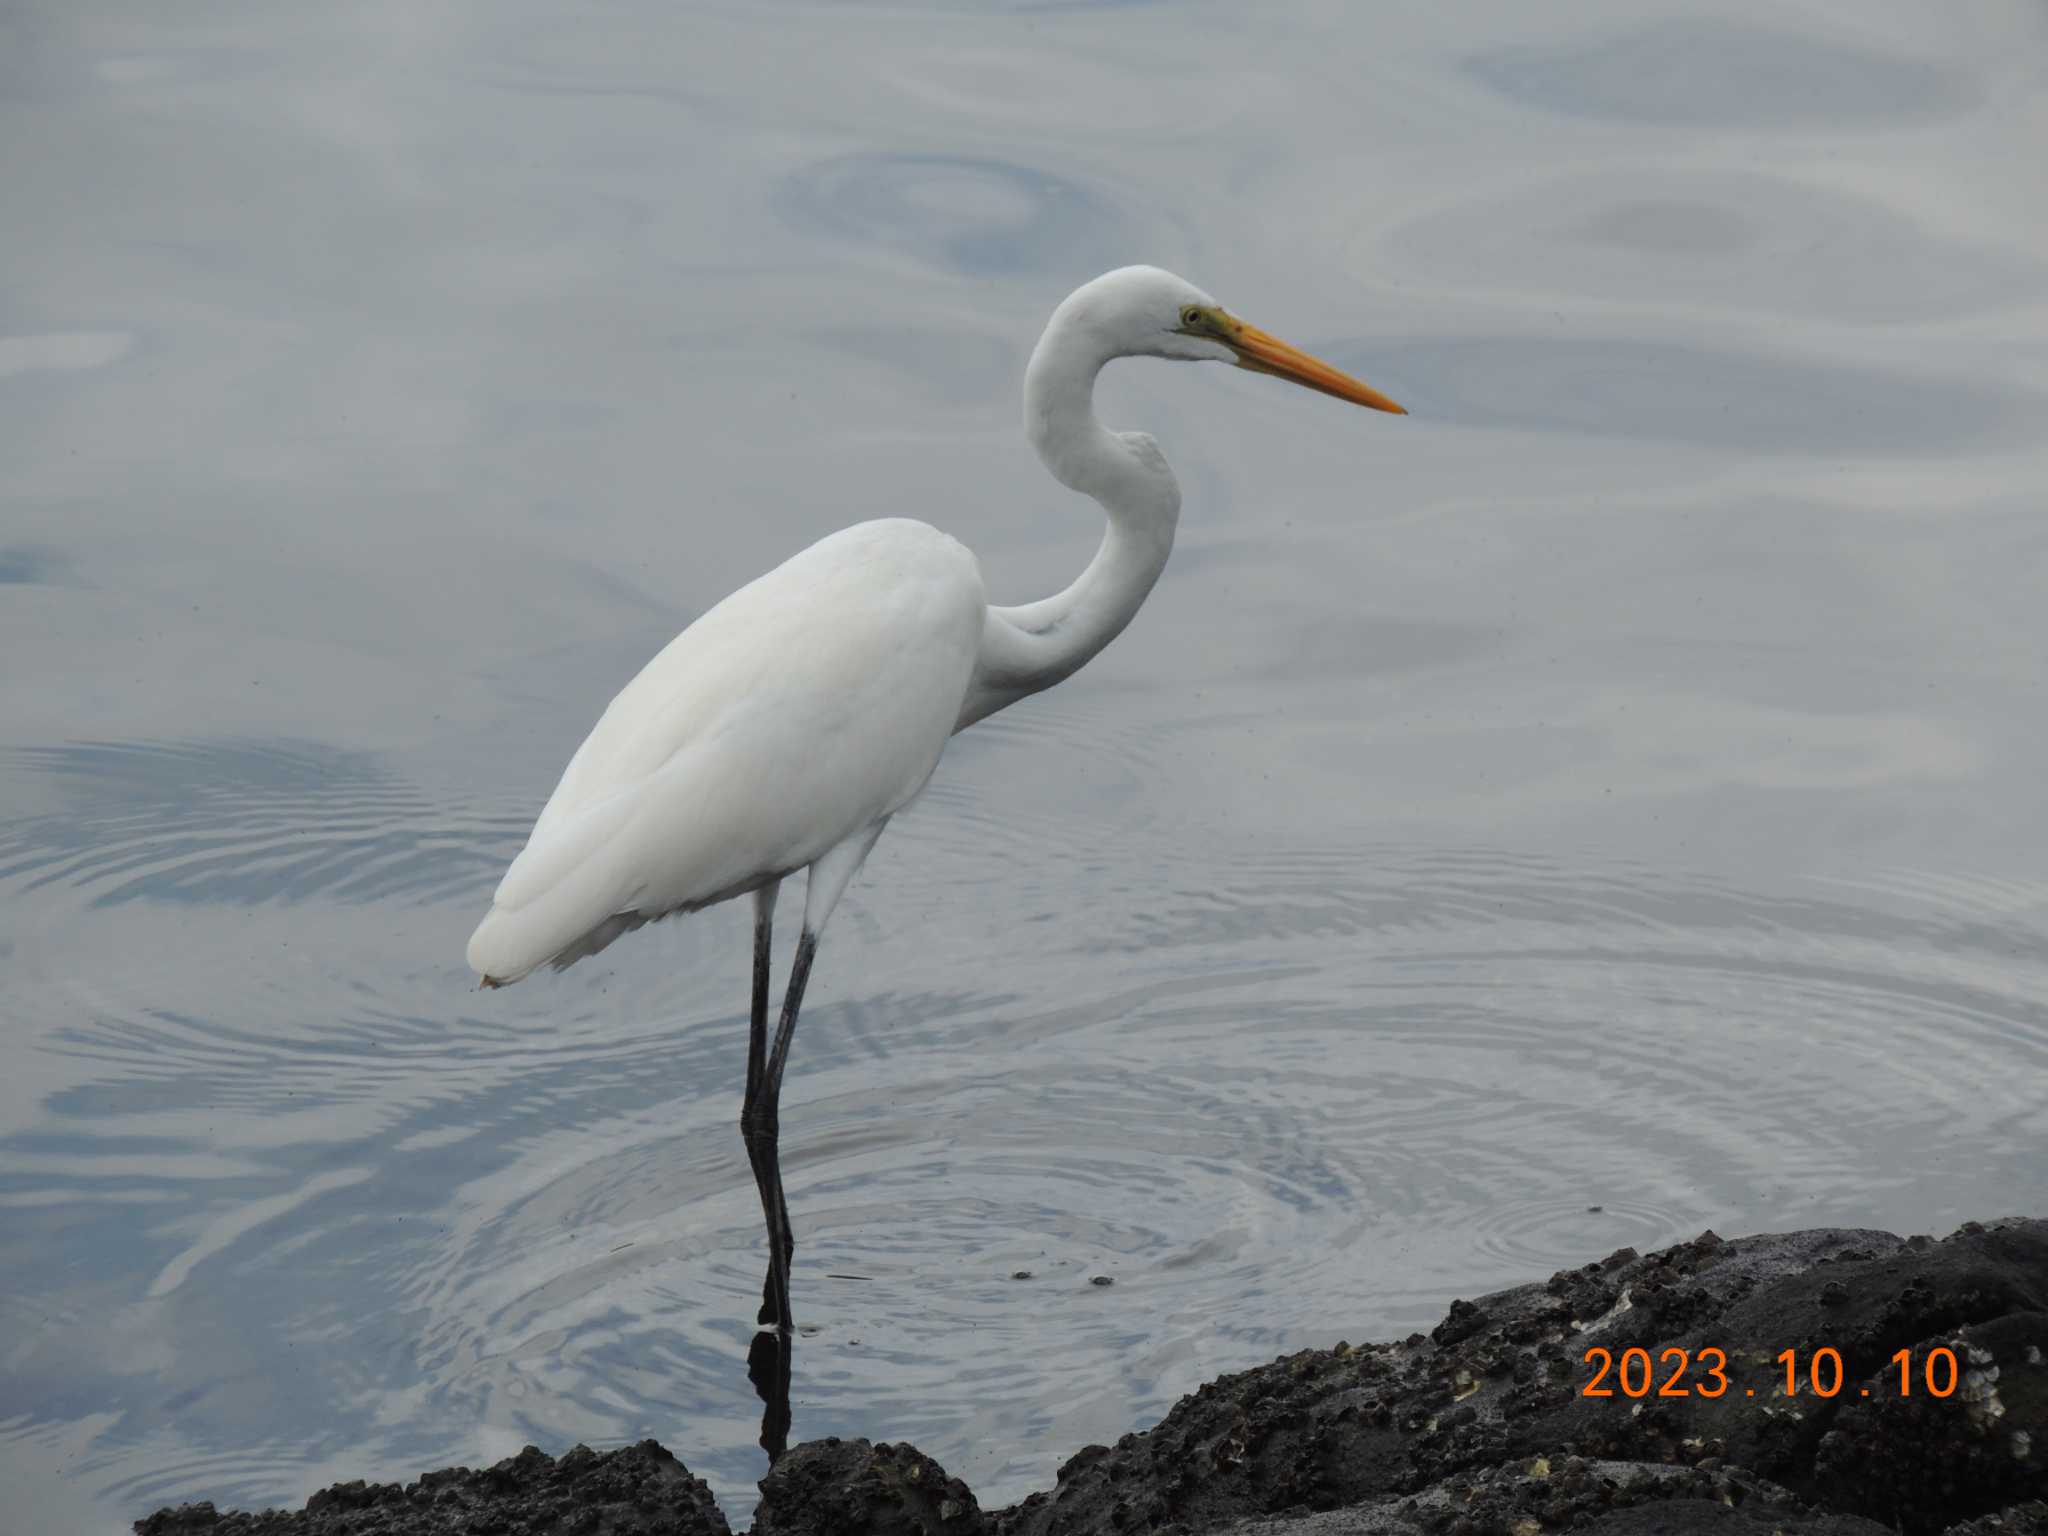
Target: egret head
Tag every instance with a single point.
(1148, 312)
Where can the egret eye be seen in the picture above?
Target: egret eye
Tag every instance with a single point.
(1190, 318)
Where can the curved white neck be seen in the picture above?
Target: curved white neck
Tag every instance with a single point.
(1030, 647)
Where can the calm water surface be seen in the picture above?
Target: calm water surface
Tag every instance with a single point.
(1603, 805)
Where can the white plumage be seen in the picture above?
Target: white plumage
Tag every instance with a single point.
(802, 710)
(783, 728)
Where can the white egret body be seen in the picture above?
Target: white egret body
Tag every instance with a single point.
(783, 728)
(803, 709)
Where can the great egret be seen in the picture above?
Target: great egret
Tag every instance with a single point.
(783, 728)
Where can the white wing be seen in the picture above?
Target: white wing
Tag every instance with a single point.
(797, 712)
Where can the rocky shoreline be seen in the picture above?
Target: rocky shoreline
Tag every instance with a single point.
(1484, 1427)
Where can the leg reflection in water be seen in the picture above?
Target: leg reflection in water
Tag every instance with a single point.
(768, 1369)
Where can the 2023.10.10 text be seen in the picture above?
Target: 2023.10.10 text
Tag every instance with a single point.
(1704, 1373)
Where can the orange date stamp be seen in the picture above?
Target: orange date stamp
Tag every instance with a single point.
(1704, 1373)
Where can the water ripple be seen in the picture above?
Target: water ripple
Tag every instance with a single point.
(1275, 1095)
(1630, 386)
(1701, 240)
(1708, 70)
(245, 822)
(971, 214)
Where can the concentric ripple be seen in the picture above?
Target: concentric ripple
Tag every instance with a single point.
(1272, 1095)
(238, 822)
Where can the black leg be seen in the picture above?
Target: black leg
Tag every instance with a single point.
(799, 978)
(757, 1031)
(761, 1124)
(792, 1000)
(757, 1112)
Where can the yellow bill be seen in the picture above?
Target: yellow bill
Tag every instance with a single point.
(1269, 354)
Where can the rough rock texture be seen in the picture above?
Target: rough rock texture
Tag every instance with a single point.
(839, 1487)
(2028, 1519)
(639, 1490)
(1482, 1428)
(1609, 1497)
(1501, 1381)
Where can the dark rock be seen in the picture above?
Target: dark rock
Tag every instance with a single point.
(639, 1490)
(1459, 1324)
(1923, 1458)
(1896, 1299)
(2029, 1519)
(1483, 1428)
(1609, 1498)
(1329, 1430)
(838, 1487)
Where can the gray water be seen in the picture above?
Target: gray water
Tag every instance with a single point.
(1603, 805)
